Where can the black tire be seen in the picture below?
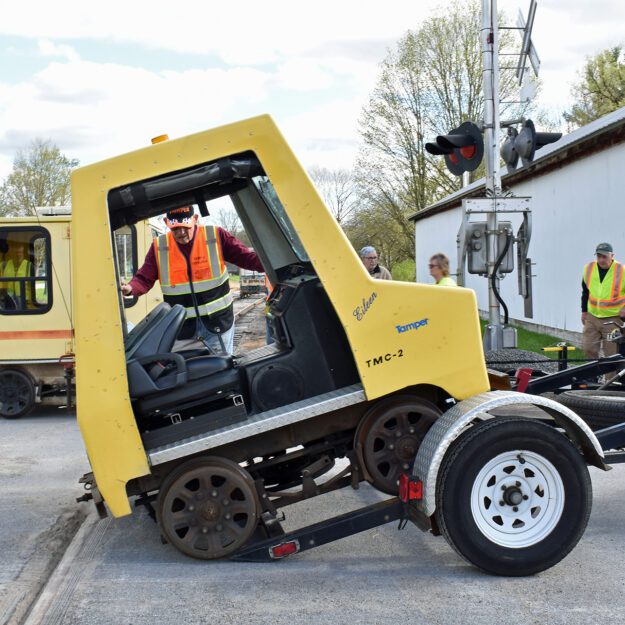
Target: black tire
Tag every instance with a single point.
(548, 496)
(600, 409)
(17, 393)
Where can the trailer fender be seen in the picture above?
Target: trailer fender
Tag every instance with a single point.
(457, 419)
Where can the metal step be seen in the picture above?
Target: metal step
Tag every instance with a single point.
(261, 422)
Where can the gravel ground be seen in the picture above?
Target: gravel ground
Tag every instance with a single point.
(511, 359)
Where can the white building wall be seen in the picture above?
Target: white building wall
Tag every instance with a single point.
(573, 209)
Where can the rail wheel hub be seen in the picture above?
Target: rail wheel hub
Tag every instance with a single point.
(389, 437)
(208, 507)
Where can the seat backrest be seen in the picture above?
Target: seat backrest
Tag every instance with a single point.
(136, 334)
(158, 336)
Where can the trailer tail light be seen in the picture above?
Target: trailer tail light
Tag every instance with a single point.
(409, 489)
(284, 549)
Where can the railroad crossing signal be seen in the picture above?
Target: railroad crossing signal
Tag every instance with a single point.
(524, 144)
(463, 148)
(528, 51)
(508, 151)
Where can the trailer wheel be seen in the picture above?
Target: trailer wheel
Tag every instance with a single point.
(17, 393)
(208, 508)
(513, 497)
(599, 409)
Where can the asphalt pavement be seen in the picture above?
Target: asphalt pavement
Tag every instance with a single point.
(117, 571)
(382, 576)
(41, 459)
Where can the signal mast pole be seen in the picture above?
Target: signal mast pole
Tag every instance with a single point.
(489, 37)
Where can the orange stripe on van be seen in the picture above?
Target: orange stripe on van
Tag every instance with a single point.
(36, 334)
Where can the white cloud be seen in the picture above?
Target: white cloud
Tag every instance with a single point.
(327, 136)
(49, 48)
(244, 33)
(311, 65)
(303, 75)
(92, 111)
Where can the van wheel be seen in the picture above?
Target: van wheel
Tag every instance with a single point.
(17, 394)
(208, 507)
(513, 496)
(389, 435)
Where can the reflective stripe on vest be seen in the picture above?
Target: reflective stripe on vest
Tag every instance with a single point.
(211, 308)
(208, 269)
(605, 297)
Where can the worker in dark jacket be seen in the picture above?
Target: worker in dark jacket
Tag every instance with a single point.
(369, 258)
(190, 263)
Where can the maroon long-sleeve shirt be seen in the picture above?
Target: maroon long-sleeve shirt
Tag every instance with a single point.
(233, 252)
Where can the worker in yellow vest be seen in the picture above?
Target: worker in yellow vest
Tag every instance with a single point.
(603, 300)
(439, 270)
(19, 267)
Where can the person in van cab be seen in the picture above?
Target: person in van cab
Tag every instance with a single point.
(190, 263)
(18, 266)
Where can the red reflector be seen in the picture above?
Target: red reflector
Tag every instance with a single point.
(409, 489)
(523, 376)
(468, 151)
(453, 158)
(284, 549)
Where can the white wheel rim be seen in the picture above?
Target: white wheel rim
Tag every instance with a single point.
(517, 499)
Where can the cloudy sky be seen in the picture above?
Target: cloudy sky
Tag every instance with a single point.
(99, 79)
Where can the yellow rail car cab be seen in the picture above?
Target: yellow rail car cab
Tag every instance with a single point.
(344, 343)
(36, 305)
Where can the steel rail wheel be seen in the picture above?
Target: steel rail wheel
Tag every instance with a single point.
(513, 496)
(389, 435)
(17, 394)
(208, 508)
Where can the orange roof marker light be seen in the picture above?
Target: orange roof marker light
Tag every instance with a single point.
(159, 139)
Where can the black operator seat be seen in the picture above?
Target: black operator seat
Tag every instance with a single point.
(136, 334)
(150, 363)
(164, 376)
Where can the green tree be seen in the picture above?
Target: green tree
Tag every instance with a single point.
(428, 84)
(601, 88)
(40, 177)
(374, 227)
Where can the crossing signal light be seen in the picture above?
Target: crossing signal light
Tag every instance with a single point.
(463, 148)
(508, 150)
(524, 144)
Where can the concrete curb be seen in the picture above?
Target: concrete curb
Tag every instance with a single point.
(56, 595)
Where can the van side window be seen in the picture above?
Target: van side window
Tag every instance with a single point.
(25, 270)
